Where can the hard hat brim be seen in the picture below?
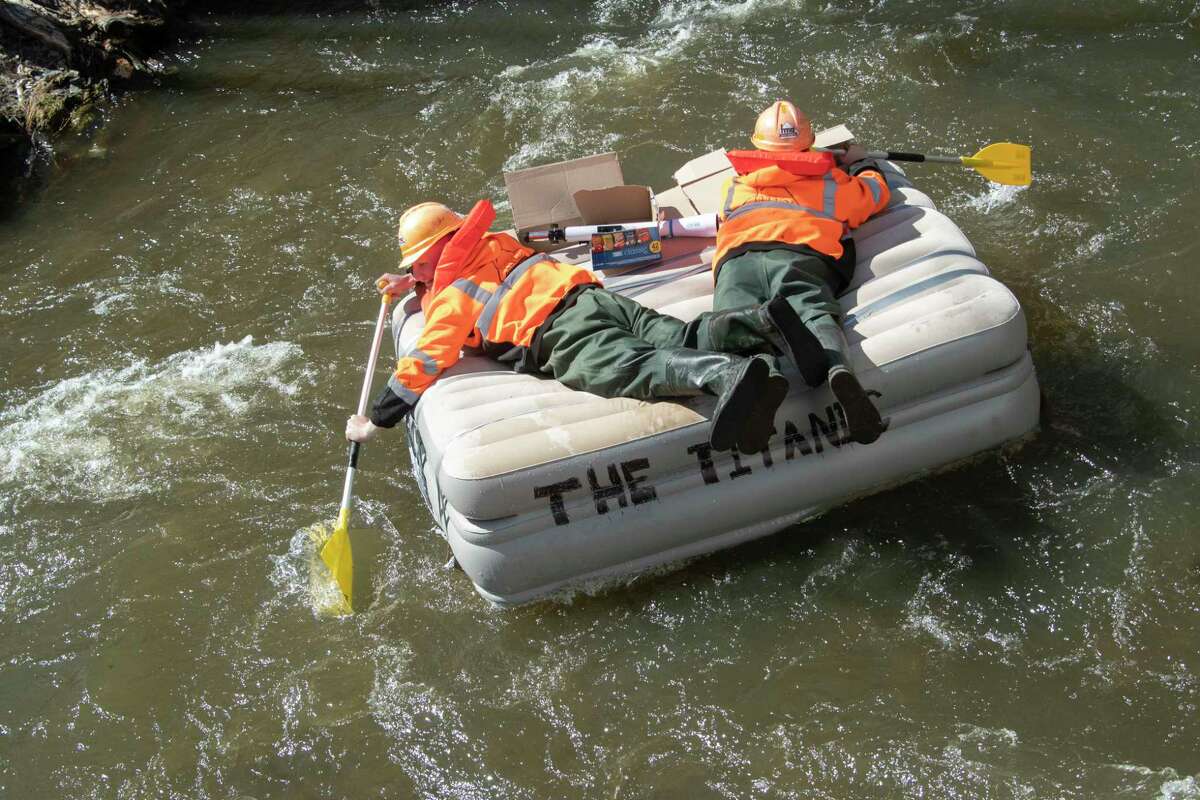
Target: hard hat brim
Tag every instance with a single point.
(409, 255)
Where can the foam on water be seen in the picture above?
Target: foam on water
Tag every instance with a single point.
(995, 196)
(930, 609)
(552, 90)
(1173, 787)
(80, 437)
(688, 12)
(301, 575)
(1181, 789)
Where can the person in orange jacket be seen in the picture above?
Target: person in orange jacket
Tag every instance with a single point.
(487, 292)
(784, 240)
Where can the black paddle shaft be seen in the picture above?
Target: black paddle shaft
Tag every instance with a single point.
(890, 155)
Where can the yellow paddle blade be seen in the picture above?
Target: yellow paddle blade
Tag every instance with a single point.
(337, 556)
(1003, 162)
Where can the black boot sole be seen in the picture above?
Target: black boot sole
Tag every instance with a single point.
(760, 425)
(805, 349)
(861, 414)
(731, 413)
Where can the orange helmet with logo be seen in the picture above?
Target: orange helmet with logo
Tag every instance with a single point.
(421, 227)
(782, 127)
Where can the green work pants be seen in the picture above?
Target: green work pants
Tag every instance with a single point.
(806, 281)
(612, 346)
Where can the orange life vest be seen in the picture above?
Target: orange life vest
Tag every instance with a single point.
(800, 162)
(774, 205)
(462, 245)
(501, 294)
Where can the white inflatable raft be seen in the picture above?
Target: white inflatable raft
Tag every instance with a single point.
(539, 488)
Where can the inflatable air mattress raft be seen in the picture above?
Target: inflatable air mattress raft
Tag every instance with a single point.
(539, 489)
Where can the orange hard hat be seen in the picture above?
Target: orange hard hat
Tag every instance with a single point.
(422, 226)
(782, 127)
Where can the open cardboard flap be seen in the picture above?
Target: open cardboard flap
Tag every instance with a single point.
(615, 204)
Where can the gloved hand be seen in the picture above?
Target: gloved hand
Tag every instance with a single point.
(855, 152)
(395, 285)
(360, 429)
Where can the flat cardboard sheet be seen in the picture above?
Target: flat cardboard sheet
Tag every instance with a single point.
(701, 178)
(705, 193)
(673, 204)
(832, 137)
(701, 167)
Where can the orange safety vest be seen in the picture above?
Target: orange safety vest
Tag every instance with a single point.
(502, 294)
(774, 205)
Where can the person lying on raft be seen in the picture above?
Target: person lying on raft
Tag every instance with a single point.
(784, 240)
(486, 291)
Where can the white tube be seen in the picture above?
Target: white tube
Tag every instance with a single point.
(583, 233)
(704, 225)
(699, 225)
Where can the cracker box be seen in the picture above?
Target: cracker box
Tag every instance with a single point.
(625, 248)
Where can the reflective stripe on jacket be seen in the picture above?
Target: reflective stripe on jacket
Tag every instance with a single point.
(773, 205)
(504, 293)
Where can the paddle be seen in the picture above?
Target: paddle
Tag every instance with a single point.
(1002, 162)
(335, 551)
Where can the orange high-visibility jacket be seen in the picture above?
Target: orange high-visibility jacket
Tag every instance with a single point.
(501, 295)
(773, 205)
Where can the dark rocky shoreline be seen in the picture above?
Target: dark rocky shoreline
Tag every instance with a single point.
(61, 60)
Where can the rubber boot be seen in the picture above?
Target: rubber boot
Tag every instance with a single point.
(744, 388)
(756, 431)
(806, 350)
(861, 414)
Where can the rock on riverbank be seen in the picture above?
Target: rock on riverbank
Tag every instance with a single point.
(60, 58)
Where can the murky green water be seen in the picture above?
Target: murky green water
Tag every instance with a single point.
(186, 309)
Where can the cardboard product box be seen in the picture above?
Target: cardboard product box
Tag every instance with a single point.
(615, 205)
(625, 248)
(585, 191)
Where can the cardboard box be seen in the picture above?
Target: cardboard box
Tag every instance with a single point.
(546, 194)
(615, 205)
(585, 191)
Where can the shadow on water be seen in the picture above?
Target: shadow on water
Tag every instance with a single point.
(1091, 406)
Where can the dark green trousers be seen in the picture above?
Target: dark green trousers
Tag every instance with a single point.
(807, 282)
(615, 347)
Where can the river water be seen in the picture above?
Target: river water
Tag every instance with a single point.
(187, 303)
